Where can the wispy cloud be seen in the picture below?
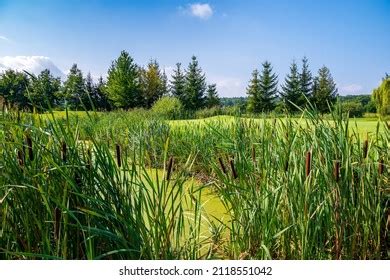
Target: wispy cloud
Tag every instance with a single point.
(351, 89)
(4, 38)
(200, 10)
(32, 64)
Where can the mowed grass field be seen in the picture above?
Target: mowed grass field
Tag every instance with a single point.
(130, 185)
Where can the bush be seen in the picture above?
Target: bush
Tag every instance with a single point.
(208, 112)
(168, 107)
(355, 109)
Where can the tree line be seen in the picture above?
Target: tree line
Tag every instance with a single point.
(299, 90)
(128, 86)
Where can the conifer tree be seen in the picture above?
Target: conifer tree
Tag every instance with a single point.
(212, 99)
(291, 90)
(324, 90)
(73, 89)
(123, 83)
(178, 83)
(195, 86)
(306, 80)
(89, 96)
(103, 102)
(254, 93)
(268, 88)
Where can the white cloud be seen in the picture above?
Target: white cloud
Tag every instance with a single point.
(351, 89)
(229, 86)
(4, 38)
(32, 64)
(202, 11)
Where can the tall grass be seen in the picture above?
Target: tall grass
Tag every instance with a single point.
(116, 185)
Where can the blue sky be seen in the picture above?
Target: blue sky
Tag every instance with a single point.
(230, 38)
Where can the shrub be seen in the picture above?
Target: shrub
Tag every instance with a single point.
(168, 107)
(355, 109)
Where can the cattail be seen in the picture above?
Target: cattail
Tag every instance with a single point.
(365, 149)
(253, 154)
(169, 168)
(21, 158)
(89, 159)
(286, 166)
(57, 218)
(63, 151)
(336, 170)
(222, 165)
(234, 173)
(380, 166)
(308, 163)
(30, 147)
(338, 231)
(77, 178)
(118, 155)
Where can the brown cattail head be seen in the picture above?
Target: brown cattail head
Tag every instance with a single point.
(234, 173)
(89, 159)
(29, 147)
(57, 218)
(169, 169)
(222, 165)
(336, 170)
(286, 166)
(118, 155)
(253, 154)
(308, 164)
(381, 166)
(21, 158)
(63, 151)
(365, 148)
(77, 178)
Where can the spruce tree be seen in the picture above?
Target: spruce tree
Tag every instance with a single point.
(324, 90)
(291, 90)
(195, 86)
(212, 99)
(178, 83)
(268, 88)
(89, 97)
(123, 83)
(254, 94)
(306, 80)
(103, 102)
(73, 89)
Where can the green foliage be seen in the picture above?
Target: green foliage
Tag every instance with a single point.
(306, 80)
(254, 95)
(178, 83)
(212, 99)
(153, 84)
(195, 86)
(82, 187)
(44, 90)
(353, 108)
(168, 107)
(324, 90)
(123, 83)
(381, 97)
(13, 89)
(262, 90)
(292, 90)
(73, 92)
